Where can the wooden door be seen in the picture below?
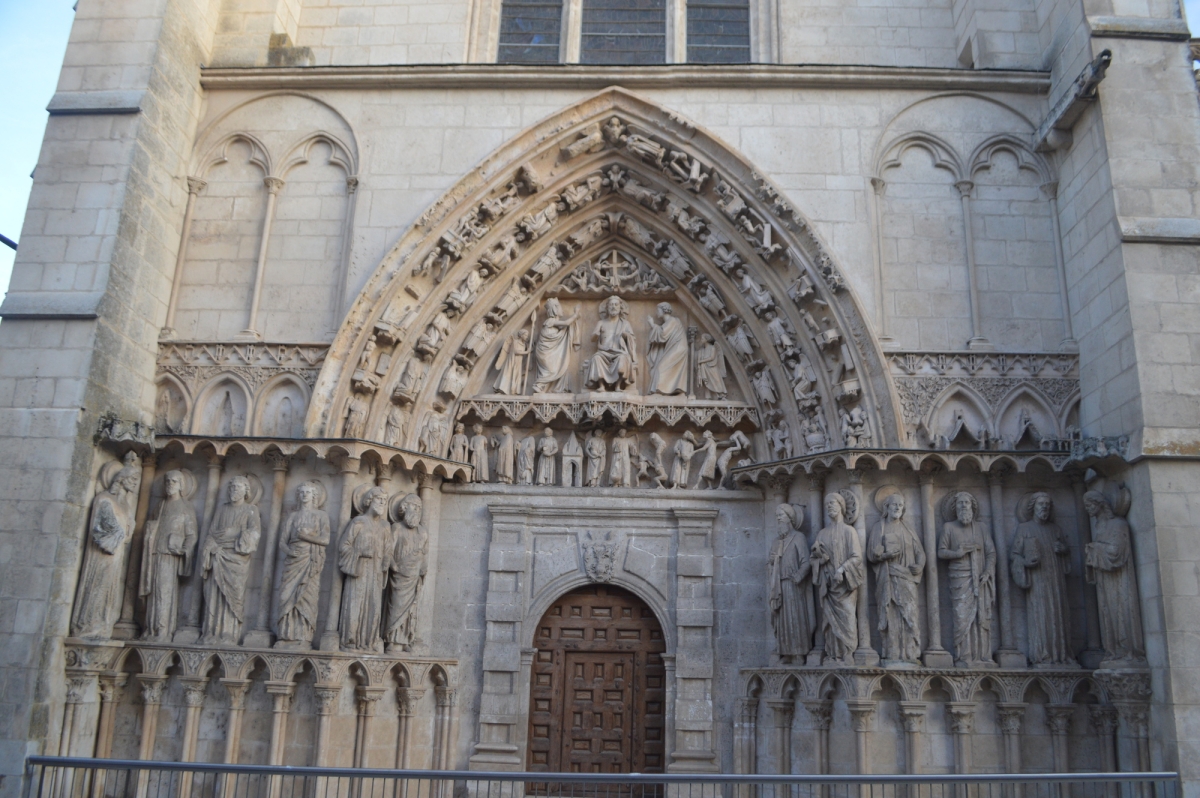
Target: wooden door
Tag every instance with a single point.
(598, 691)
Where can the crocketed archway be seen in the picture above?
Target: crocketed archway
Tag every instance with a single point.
(612, 174)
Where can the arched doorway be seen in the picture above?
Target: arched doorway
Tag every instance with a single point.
(597, 702)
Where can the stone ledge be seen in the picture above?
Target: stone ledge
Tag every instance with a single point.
(561, 76)
(72, 305)
(1175, 30)
(1158, 230)
(67, 103)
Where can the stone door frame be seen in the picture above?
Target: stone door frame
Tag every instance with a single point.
(536, 554)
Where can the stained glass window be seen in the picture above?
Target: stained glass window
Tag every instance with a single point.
(624, 32)
(530, 31)
(718, 31)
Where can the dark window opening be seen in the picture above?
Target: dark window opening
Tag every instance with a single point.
(718, 31)
(624, 32)
(530, 31)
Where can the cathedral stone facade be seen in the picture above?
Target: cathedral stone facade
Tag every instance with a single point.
(767, 386)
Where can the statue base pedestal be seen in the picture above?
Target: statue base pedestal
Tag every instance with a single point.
(866, 657)
(124, 630)
(900, 664)
(330, 642)
(1011, 658)
(938, 659)
(259, 638)
(1091, 658)
(186, 635)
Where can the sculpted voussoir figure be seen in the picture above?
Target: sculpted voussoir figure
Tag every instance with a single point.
(304, 540)
(409, 560)
(789, 587)
(613, 367)
(1110, 567)
(228, 548)
(102, 580)
(899, 560)
(169, 548)
(838, 572)
(1040, 559)
(966, 545)
(363, 556)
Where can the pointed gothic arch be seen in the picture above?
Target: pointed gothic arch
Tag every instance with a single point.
(613, 171)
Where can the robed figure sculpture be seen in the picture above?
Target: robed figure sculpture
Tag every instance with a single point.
(363, 557)
(613, 367)
(102, 581)
(1040, 560)
(1109, 559)
(668, 352)
(967, 547)
(790, 593)
(225, 564)
(899, 559)
(838, 572)
(552, 353)
(409, 562)
(168, 551)
(304, 540)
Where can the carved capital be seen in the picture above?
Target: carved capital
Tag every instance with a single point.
(277, 460)
(962, 716)
(77, 687)
(152, 688)
(274, 184)
(351, 184)
(747, 710)
(783, 710)
(821, 713)
(1058, 717)
(1125, 685)
(1103, 719)
(912, 714)
(1136, 717)
(237, 692)
(427, 482)
(1012, 716)
(816, 482)
(327, 698)
(446, 696)
(778, 485)
(860, 714)
(879, 184)
(196, 185)
(965, 187)
(194, 689)
(407, 698)
(1050, 189)
(110, 687)
(368, 697)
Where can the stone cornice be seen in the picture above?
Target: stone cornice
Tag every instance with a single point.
(587, 78)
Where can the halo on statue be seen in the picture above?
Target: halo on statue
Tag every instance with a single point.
(320, 494)
(359, 497)
(109, 471)
(947, 505)
(1122, 499)
(256, 488)
(851, 505)
(882, 495)
(188, 480)
(1025, 506)
(395, 511)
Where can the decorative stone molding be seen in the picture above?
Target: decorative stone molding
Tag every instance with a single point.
(852, 459)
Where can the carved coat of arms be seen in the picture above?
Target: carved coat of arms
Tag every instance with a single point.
(599, 556)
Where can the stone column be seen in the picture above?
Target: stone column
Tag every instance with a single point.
(152, 690)
(1069, 344)
(443, 745)
(77, 689)
(274, 186)
(865, 654)
(347, 246)
(1129, 691)
(194, 688)
(1058, 718)
(189, 630)
(821, 712)
(110, 691)
(233, 730)
(1135, 717)
(195, 186)
(912, 714)
(669, 730)
(962, 723)
(965, 187)
(281, 695)
(127, 628)
(816, 519)
(368, 697)
(1092, 656)
(694, 749)
(783, 711)
(860, 719)
(1008, 656)
(406, 699)
(1012, 716)
(935, 656)
(327, 701)
(745, 741)
(1104, 722)
(260, 636)
(882, 317)
(329, 638)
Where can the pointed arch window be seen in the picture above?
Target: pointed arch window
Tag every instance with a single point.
(631, 32)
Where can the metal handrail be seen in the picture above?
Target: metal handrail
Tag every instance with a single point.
(601, 778)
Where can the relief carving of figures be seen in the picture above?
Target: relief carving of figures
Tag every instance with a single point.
(708, 466)
(411, 379)
(459, 444)
(741, 340)
(559, 336)
(225, 563)
(478, 455)
(394, 425)
(102, 581)
(613, 366)
(463, 297)
(512, 299)
(781, 336)
(363, 557)
(547, 449)
(1041, 560)
(478, 340)
(685, 450)
(764, 386)
(304, 539)
(856, 430)
(356, 416)
(899, 560)
(430, 342)
(814, 433)
(432, 439)
(170, 545)
(759, 299)
(656, 463)
(780, 435)
(838, 572)
(409, 560)
(789, 586)
(1110, 567)
(596, 451)
(668, 352)
(512, 363)
(738, 443)
(454, 379)
(710, 369)
(506, 455)
(526, 460)
(967, 547)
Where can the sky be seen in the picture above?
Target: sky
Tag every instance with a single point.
(33, 37)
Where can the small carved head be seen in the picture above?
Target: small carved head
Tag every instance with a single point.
(770, 315)
(376, 501)
(688, 436)
(460, 428)
(128, 479)
(1043, 506)
(410, 510)
(789, 518)
(522, 335)
(965, 507)
(1096, 504)
(707, 339)
(506, 430)
(549, 433)
(893, 507)
(306, 494)
(553, 308)
(664, 309)
(835, 507)
(173, 484)
(239, 490)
